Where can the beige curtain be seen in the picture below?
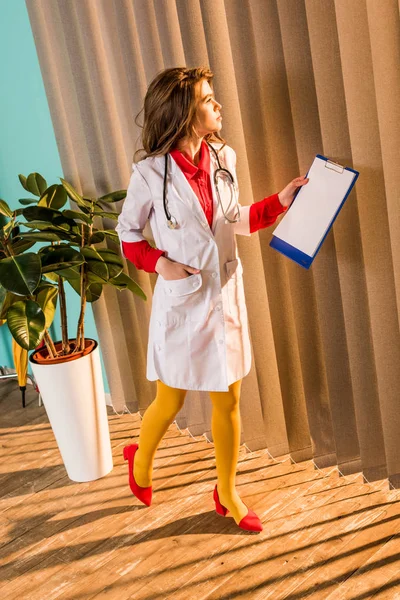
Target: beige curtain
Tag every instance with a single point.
(295, 78)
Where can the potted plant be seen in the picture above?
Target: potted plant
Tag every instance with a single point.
(67, 371)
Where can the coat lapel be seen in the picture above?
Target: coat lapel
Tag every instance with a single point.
(216, 207)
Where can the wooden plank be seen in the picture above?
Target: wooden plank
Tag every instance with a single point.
(325, 537)
(259, 561)
(168, 515)
(194, 523)
(374, 560)
(328, 564)
(65, 544)
(45, 470)
(24, 513)
(62, 492)
(195, 553)
(201, 540)
(12, 412)
(390, 591)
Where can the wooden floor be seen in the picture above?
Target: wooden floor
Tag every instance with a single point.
(325, 536)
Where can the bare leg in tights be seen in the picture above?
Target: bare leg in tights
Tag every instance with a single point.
(225, 426)
(156, 420)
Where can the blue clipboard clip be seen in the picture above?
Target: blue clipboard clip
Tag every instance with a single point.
(302, 259)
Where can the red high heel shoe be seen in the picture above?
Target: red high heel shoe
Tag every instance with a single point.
(144, 494)
(249, 523)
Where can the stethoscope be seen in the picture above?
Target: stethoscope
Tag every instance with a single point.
(220, 172)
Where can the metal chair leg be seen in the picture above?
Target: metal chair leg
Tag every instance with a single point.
(4, 375)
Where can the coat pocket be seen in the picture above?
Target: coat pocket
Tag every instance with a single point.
(233, 268)
(183, 300)
(182, 287)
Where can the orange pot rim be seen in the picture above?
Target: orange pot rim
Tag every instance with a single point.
(37, 358)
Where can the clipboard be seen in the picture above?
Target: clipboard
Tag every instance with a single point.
(308, 220)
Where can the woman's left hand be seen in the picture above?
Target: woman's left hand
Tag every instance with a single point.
(287, 194)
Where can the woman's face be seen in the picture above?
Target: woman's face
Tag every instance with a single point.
(208, 114)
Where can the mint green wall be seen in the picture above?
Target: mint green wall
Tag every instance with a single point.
(27, 141)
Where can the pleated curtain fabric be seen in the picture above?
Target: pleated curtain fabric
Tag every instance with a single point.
(295, 78)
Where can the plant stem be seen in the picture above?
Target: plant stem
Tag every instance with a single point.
(63, 313)
(4, 247)
(49, 344)
(8, 248)
(83, 243)
(80, 337)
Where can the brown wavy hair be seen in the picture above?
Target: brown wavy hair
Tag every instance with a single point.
(169, 110)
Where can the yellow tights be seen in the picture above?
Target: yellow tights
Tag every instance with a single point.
(225, 427)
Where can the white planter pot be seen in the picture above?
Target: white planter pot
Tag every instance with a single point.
(73, 396)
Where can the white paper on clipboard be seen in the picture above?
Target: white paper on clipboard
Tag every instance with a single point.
(315, 206)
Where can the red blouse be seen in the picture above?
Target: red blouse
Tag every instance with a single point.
(262, 214)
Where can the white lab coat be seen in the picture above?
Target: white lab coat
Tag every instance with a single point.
(198, 334)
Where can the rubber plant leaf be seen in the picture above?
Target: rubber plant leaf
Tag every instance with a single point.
(3, 295)
(93, 291)
(55, 258)
(46, 296)
(73, 194)
(35, 184)
(54, 197)
(80, 216)
(27, 201)
(113, 196)
(26, 322)
(21, 274)
(5, 209)
(123, 281)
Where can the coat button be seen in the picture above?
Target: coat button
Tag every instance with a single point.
(218, 307)
(214, 275)
(220, 341)
(158, 347)
(169, 291)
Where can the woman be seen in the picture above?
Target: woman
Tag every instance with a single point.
(198, 334)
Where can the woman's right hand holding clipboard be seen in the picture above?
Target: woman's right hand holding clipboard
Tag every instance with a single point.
(286, 196)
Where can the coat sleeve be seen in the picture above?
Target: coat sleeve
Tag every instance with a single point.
(265, 212)
(142, 255)
(136, 210)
